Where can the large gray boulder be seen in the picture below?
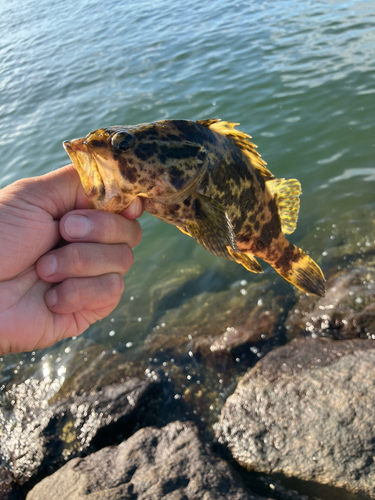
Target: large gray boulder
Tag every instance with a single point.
(154, 464)
(306, 411)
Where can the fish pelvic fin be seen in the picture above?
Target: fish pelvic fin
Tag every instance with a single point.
(241, 140)
(286, 194)
(301, 271)
(211, 227)
(247, 260)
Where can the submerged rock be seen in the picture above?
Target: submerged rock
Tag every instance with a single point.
(153, 464)
(347, 310)
(306, 411)
(219, 327)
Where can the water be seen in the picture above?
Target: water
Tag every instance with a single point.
(299, 76)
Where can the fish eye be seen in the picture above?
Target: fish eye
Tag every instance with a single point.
(122, 141)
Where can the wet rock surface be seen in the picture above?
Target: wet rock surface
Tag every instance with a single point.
(40, 436)
(220, 327)
(168, 463)
(306, 411)
(8, 489)
(347, 310)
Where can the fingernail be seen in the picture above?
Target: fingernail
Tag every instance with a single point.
(49, 265)
(77, 226)
(50, 298)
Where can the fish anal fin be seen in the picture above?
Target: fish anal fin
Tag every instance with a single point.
(211, 227)
(286, 194)
(247, 260)
(240, 139)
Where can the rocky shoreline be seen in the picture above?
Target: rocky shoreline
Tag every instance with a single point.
(272, 400)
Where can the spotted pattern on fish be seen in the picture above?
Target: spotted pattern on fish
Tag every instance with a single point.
(205, 177)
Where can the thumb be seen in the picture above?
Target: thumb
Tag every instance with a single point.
(56, 193)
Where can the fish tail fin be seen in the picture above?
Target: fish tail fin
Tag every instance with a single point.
(301, 271)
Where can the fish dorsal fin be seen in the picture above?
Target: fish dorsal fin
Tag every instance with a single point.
(209, 122)
(286, 194)
(241, 140)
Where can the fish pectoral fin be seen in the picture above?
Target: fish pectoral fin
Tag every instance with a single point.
(184, 230)
(190, 187)
(286, 194)
(241, 140)
(212, 228)
(248, 261)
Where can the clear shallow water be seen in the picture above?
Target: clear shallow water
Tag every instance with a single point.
(299, 76)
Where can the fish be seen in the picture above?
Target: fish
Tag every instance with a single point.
(207, 178)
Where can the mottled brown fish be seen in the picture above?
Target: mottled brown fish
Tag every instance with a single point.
(207, 179)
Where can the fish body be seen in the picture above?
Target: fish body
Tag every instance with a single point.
(206, 178)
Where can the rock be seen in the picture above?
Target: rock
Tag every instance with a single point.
(169, 463)
(219, 327)
(306, 411)
(347, 311)
(37, 437)
(206, 344)
(8, 489)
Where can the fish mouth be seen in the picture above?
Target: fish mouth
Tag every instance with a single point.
(87, 168)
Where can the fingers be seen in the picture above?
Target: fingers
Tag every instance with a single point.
(134, 210)
(99, 227)
(84, 260)
(89, 269)
(101, 293)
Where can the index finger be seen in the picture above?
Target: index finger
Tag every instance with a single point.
(98, 226)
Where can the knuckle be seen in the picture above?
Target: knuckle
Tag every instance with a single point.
(69, 294)
(137, 236)
(78, 259)
(111, 225)
(115, 285)
(127, 258)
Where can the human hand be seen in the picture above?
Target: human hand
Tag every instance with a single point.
(48, 293)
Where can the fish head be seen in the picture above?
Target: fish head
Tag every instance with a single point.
(153, 160)
(97, 159)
